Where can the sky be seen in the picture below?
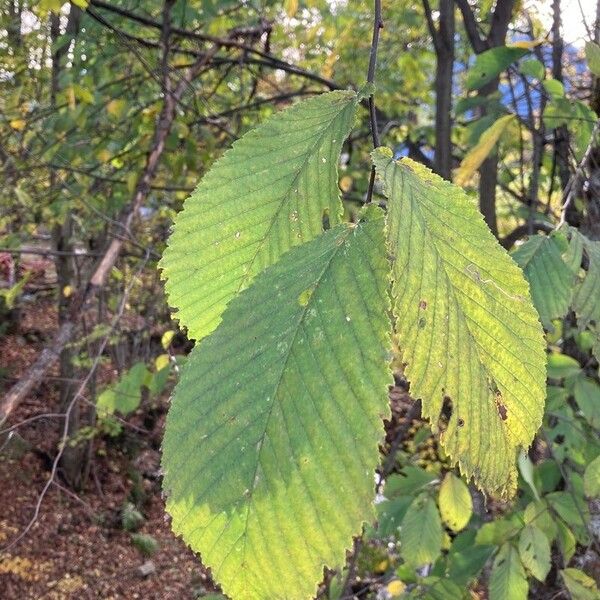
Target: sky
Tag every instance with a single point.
(576, 15)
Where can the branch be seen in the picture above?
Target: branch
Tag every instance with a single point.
(432, 28)
(477, 42)
(67, 329)
(525, 229)
(377, 26)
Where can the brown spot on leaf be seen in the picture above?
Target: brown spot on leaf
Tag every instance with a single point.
(422, 304)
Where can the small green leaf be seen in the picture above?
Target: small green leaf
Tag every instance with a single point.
(125, 396)
(526, 470)
(587, 396)
(456, 504)
(534, 549)
(507, 579)
(580, 586)
(554, 88)
(566, 541)
(591, 479)
(489, 64)
(421, 532)
(496, 532)
(532, 68)
(538, 515)
(592, 55)
(561, 366)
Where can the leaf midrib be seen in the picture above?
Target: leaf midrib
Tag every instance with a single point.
(252, 487)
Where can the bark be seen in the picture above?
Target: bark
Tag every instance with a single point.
(488, 172)
(443, 41)
(561, 134)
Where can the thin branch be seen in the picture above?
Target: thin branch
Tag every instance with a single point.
(377, 26)
(577, 179)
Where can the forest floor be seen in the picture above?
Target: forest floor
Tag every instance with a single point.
(77, 547)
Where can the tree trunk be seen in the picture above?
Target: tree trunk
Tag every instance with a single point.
(443, 90)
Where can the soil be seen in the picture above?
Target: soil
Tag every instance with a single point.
(77, 547)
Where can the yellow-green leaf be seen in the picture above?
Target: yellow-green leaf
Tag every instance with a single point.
(456, 504)
(470, 337)
(271, 442)
(272, 191)
(475, 157)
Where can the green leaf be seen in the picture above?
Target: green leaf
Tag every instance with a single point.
(573, 511)
(390, 514)
(561, 366)
(550, 279)
(267, 194)
(587, 396)
(471, 340)
(456, 504)
(497, 532)
(421, 532)
(526, 470)
(592, 55)
(125, 396)
(532, 68)
(489, 64)
(586, 301)
(580, 586)
(507, 579)
(466, 562)
(534, 549)
(554, 88)
(566, 542)
(271, 441)
(538, 515)
(409, 481)
(591, 479)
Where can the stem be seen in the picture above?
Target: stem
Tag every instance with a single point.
(377, 25)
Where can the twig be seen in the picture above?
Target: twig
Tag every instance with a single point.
(377, 25)
(577, 178)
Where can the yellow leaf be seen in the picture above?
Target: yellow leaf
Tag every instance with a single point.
(327, 70)
(382, 566)
(70, 92)
(166, 338)
(161, 362)
(473, 159)
(395, 588)
(527, 44)
(291, 7)
(346, 183)
(115, 107)
(131, 182)
(104, 155)
(67, 291)
(18, 124)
